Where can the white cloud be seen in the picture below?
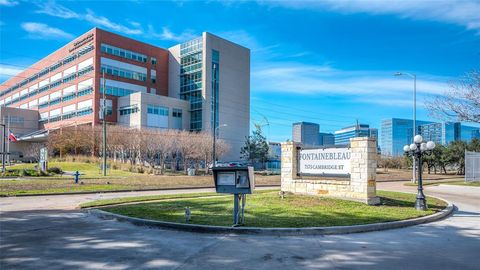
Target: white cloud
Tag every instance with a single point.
(105, 22)
(8, 3)
(461, 12)
(131, 28)
(167, 34)
(365, 86)
(53, 9)
(7, 70)
(43, 31)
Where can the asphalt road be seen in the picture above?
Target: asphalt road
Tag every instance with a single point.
(49, 233)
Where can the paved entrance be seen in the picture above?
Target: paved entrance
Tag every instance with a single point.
(47, 232)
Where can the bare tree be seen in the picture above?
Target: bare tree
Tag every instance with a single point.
(461, 102)
(33, 151)
(186, 147)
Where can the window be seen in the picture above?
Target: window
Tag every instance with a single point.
(85, 91)
(128, 110)
(154, 79)
(123, 53)
(83, 112)
(69, 97)
(158, 110)
(85, 71)
(69, 78)
(154, 61)
(126, 73)
(177, 113)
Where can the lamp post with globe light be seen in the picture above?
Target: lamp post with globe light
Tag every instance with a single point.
(417, 149)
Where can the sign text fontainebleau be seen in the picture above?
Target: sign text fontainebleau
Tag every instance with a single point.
(327, 161)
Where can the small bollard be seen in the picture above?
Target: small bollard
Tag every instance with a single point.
(76, 176)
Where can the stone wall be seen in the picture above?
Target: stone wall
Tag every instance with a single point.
(361, 186)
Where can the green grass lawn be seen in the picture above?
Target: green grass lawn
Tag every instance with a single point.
(266, 209)
(88, 170)
(49, 185)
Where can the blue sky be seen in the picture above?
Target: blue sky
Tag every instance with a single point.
(329, 62)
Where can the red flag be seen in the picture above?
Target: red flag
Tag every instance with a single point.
(12, 137)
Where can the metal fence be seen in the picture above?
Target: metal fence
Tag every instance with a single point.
(472, 166)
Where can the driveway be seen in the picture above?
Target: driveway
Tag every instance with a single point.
(48, 232)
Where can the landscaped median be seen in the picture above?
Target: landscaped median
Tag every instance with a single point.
(267, 212)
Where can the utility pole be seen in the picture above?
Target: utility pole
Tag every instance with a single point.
(4, 148)
(104, 113)
(214, 97)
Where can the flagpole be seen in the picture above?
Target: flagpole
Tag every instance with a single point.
(8, 139)
(4, 144)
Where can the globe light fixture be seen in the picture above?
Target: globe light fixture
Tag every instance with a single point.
(417, 150)
(413, 147)
(430, 145)
(418, 139)
(423, 146)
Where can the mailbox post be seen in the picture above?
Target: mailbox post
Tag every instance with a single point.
(238, 181)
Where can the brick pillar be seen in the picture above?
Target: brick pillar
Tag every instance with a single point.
(363, 168)
(289, 166)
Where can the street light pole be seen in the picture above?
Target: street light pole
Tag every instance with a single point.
(417, 149)
(104, 126)
(214, 98)
(414, 76)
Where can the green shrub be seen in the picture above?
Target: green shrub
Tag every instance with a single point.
(55, 170)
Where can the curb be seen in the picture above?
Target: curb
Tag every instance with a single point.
(275, 231)
(444, 185)
(120, 191)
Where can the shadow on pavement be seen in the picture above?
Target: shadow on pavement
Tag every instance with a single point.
(72, 239)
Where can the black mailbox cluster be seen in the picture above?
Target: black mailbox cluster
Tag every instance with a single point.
(234, 180)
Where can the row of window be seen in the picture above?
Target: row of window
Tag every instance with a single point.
(153, 109)
(78, 113)
(116, 91)
(186, 79)
(124, 53)
(128, 110)
(51, 68)
(190, 68)
(51, 85)
(71, 96)
(124, 73)
(191, 87)
(191, 59)
(191, 46)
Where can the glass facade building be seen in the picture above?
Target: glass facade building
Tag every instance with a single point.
(396, 133)
(306, 133)
(441, 133)
(191, 54)
(343, 136)
(326, 139)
